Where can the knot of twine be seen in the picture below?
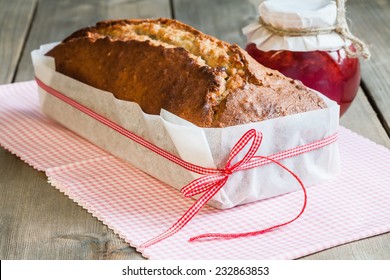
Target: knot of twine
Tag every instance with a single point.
(340, 27)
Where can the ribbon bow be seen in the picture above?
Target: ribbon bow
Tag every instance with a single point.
(215, 179)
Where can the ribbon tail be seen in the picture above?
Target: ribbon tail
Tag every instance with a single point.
(230, 235)
(201, 185)
(188, 215)
(254, 233)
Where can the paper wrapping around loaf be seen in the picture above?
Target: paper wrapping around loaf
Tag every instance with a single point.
(165, 64)
(208, 147)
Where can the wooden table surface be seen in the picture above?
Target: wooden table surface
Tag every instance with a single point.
(39, 222)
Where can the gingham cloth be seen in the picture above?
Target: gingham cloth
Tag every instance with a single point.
(138, 207)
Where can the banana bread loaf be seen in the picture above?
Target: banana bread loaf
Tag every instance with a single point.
(164, 63)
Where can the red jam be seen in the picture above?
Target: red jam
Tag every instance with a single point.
(331, 73)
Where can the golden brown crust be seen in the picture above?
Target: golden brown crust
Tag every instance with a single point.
(267, 95)
(145, 84)
(207, 82)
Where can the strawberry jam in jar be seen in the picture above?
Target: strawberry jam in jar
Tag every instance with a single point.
(309, 40)
(332, 73)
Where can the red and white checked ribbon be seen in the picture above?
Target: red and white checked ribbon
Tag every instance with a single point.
(214, 179)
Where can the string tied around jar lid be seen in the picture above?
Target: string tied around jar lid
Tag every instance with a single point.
(340, 27)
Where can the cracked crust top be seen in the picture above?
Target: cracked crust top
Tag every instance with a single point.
(163, 63)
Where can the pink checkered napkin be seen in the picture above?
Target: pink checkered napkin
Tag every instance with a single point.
(36, 139)
(138, 207)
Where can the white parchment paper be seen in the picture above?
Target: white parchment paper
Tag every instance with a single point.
(208, 147)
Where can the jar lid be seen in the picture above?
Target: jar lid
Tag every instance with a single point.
(283, 25)
(303, 14)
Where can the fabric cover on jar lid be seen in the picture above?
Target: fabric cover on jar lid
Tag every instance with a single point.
(302, 25)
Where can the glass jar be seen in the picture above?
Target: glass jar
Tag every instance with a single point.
(332, 73)
(309, 40)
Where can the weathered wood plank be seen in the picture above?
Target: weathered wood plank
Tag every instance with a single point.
(37, 221)
(370, 20)
(223, 19)
(66, 16)
(15, 19)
